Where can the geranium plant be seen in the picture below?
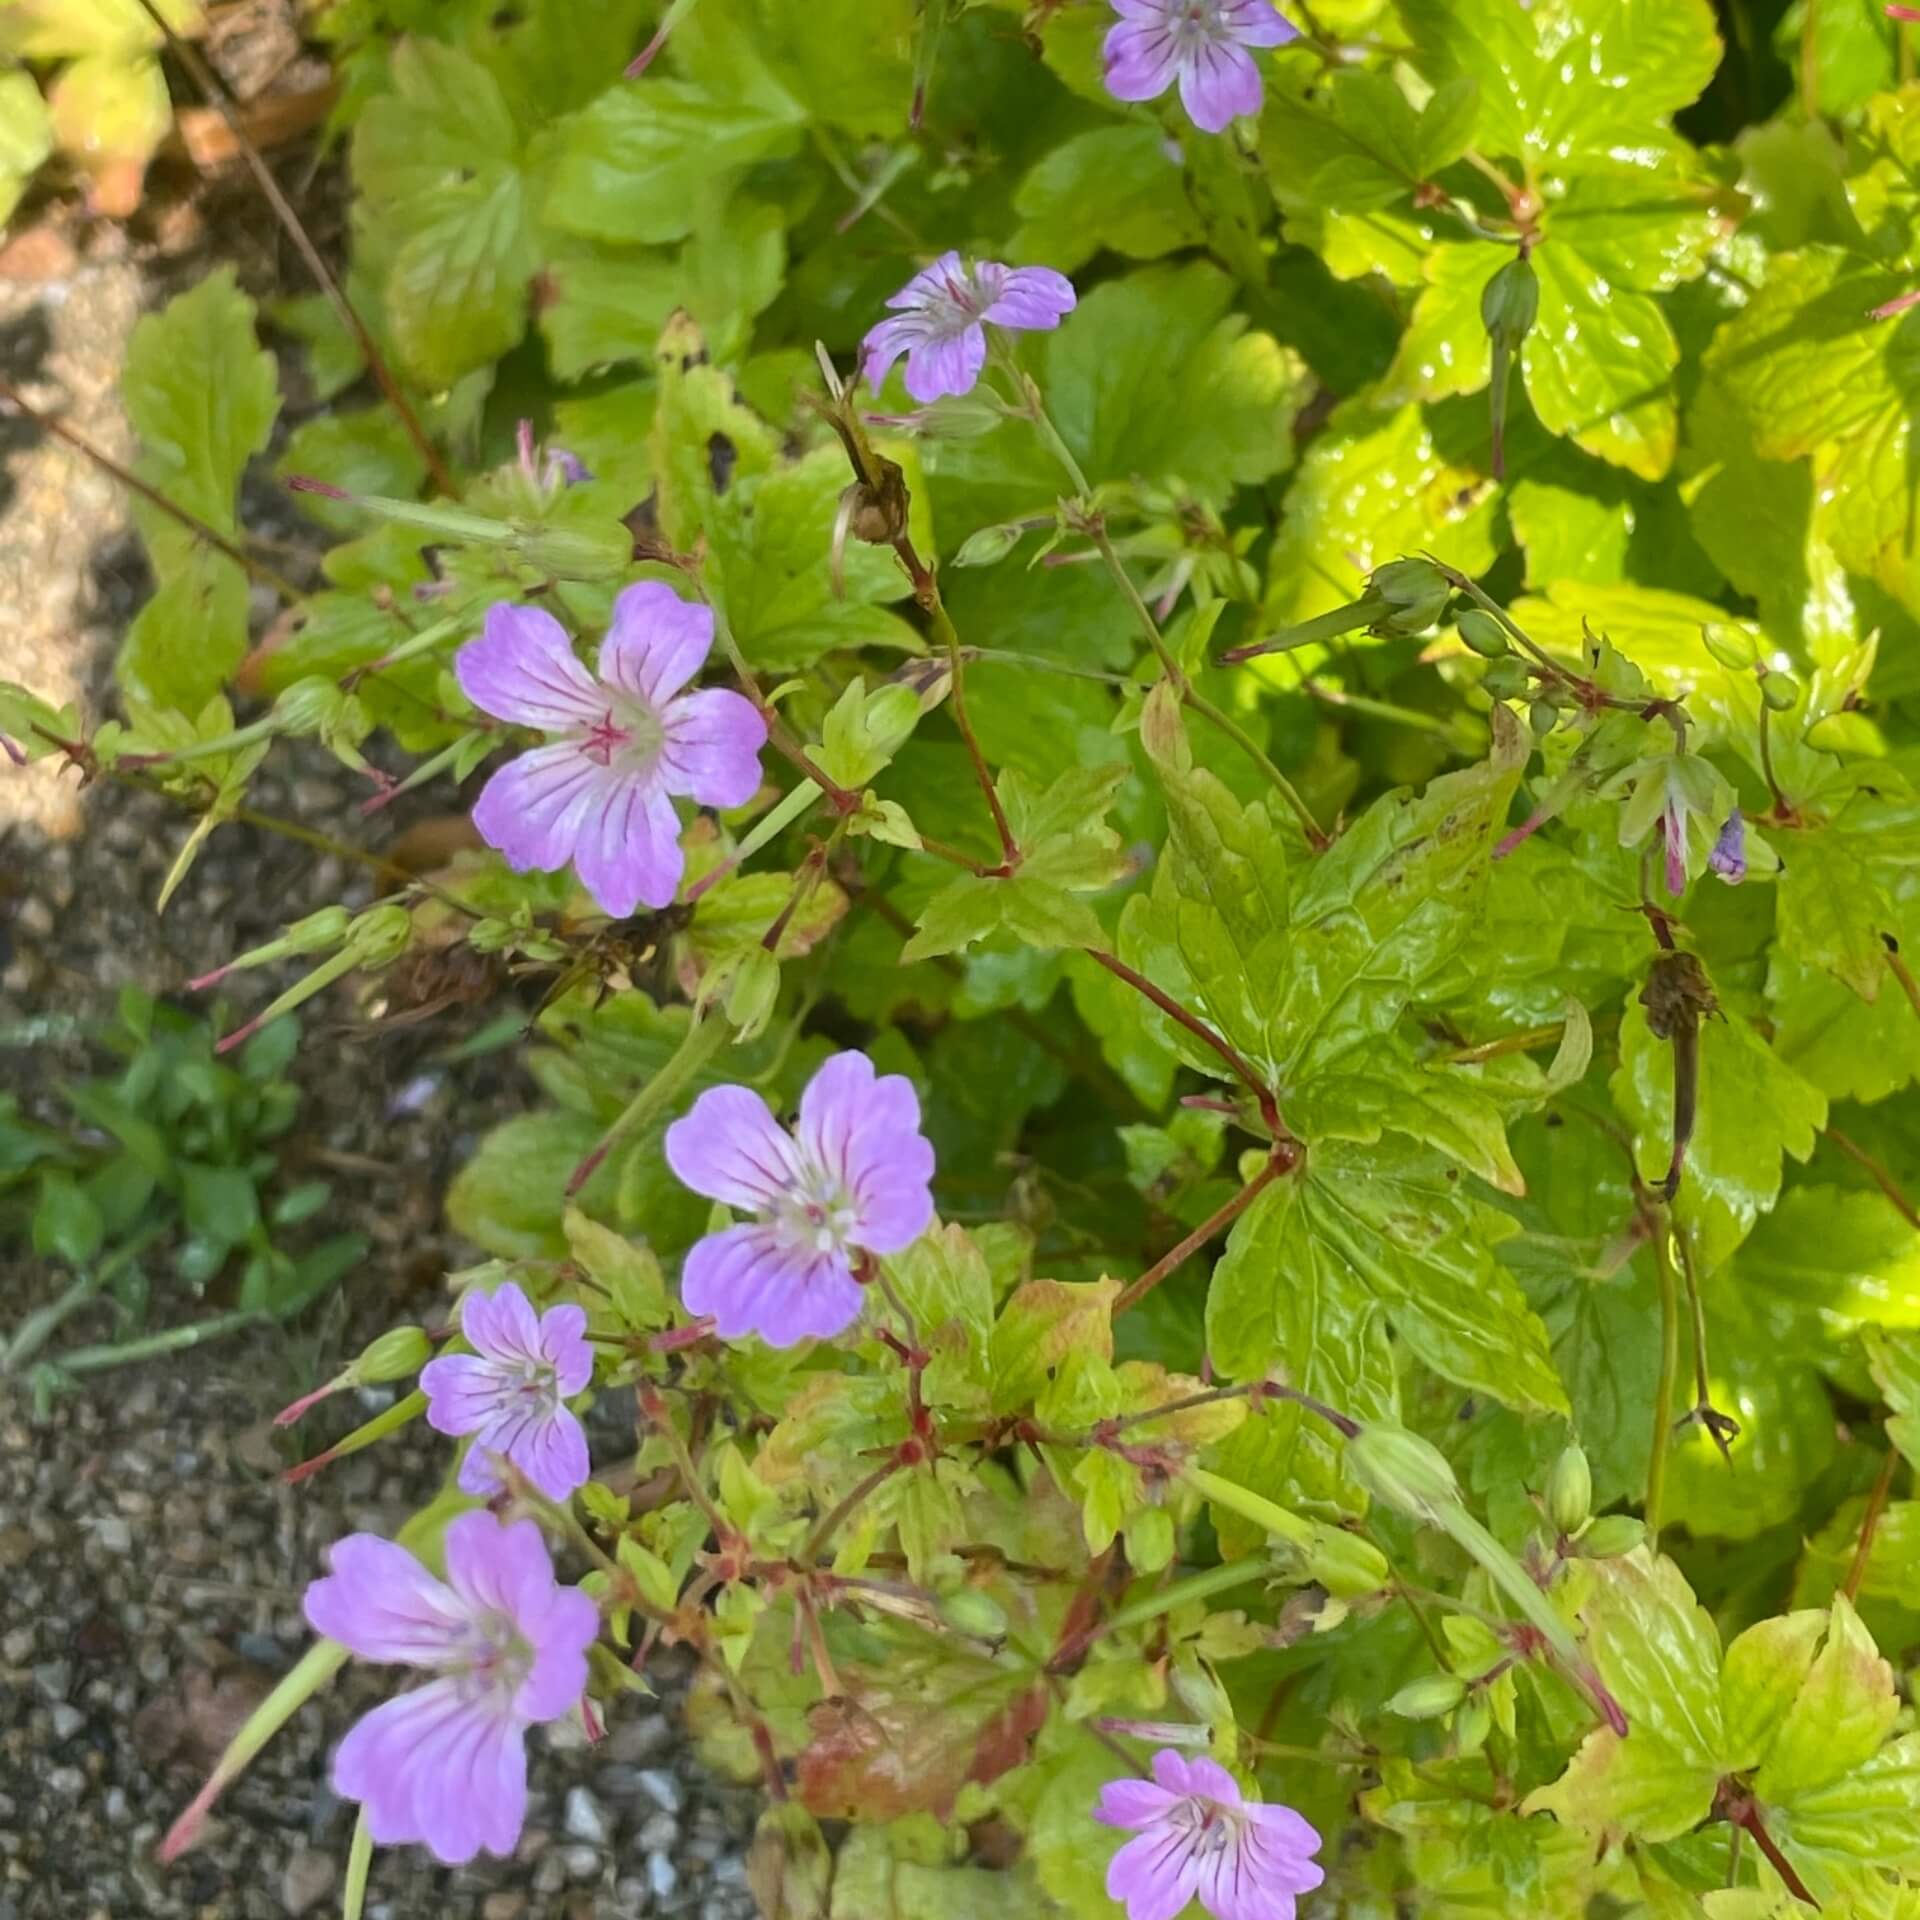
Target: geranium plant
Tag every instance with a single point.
(1195, 726)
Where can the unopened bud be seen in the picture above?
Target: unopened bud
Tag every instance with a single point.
(1428, 1697)
(1346, 1565)
(968, 1610)
(395, 1355)
(1510, 303)
(752, 992)
(1410, 1474)
(1482, 632)
(1734, 647)
(1543, 716)
(987, 545)
(1416, 593)
(1570, 1491)
(380, 935)
(1781, 692)
(1611, 1535)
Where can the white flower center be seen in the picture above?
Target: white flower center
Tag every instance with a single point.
(497, 1658)
(816, 1213)
(628, 736)
(1209, 1827)
(1198, 26)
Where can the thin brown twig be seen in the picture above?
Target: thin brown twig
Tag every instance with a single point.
(1870, 1523)
(47, 423)
(215, 96)
(1221, 1218)
(1881, 1177)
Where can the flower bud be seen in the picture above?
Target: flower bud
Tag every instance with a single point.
(987, 545)
(1734, 647)
(1781, 692)
(1416, 593)
(397, 1353)
(1482, 632)
(751, 993)
(1428, 1697)
(327, 928)
(968, 1610)
(380, 935)
(1504, 679)
(1510, 303)
(1543, 716)
(1346, 1565)
(1611, 1535)
(1570, 1491)
(1410, 1474)
(1472, 1723)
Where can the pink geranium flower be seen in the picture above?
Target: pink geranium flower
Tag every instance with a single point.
(1200, 45)
(624, 744)
(852, 1177)
(446, 1764)
(941, 316)
(1198, 1837)
(511, 1392)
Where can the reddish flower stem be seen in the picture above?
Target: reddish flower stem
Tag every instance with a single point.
(1881, 1177)
(1281, 1162)
(1870, 1524)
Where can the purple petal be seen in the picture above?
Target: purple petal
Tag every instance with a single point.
(1729, 856)
(1283, 1868)
(565, 1346)
(729, 1148)
(561, 1637)
(436, 1767)
(1231, 1887)
(1031, 297)
(463, 1392)
(1283, 1827)
(885, 344)
(657, 642)
(931, 284)
(1141, 58)
(712, 752)
(501, 1324)
(499, 1568)
(1132, 1803)
(1218, 84)
(1153, 1874)
(865, 1131)
(1209, 1777)
(627, 853)
(1254, 23)
(542, 1440)
(1170, 1769)
(532, 807)
(522, 669)
(380, 1602)
(936, 368)
(751, 1281)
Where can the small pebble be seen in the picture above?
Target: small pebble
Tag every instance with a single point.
(67, 1780)
(67, 1721)
(662, 1876)
(582, 1863)
(663, 1786)
(657, 1831)
(506, 1904)
(584, 1818)
(52, 1678)
(308, 1879)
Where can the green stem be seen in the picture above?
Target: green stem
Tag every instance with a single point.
(359, 1859)
(1663, 1391)
(702, 1040)
(1195, 1586)
(38, 1328)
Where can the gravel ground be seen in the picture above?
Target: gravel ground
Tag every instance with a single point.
(150, 1559)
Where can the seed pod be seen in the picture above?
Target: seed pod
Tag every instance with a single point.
(1482, 632)
(986, 545)
(1732, 646)
(1472, 1724)
(1507, 310)
(1570, 1491)
(1347, 1566)
(1428, 1697)
(380, 935)
(1415, 593)
(1543, 716)
(307, 706)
